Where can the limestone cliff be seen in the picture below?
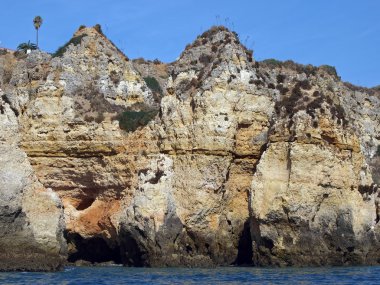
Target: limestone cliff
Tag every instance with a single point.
(31, 216)
(215, 159)
(68, 105)
(202, 178)
(313, 198)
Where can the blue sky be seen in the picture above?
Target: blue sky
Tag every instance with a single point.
(343, 33)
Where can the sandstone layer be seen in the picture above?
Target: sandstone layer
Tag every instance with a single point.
(214, 159)
(31, 216)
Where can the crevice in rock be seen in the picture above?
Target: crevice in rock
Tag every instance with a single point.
(263, 149)
(267, 242)
(85, 203)
(6, 100)
(245, 251)
(256, 240)
(377, 205)
(157, 177)
(189, 249)
(289, 162)
(325, 196)
(132, 252)
(94, 250)
(222, 186)
(367, 190)
(327, 139)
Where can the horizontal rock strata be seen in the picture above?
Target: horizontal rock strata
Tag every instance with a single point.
(214, 159)
(31, 216)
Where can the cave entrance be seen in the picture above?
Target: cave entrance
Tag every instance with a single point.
(245, 252)
(134, 255)
(94, 250)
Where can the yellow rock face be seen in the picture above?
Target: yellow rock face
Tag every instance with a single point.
(243, 163)
(31, 223)
(307, 199)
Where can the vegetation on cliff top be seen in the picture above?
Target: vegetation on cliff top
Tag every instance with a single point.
(26, 46)
(307, 69)
(371, 91)
(37, 22)
(75, 41)
(298, 99)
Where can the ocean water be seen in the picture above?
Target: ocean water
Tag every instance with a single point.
(223, 275)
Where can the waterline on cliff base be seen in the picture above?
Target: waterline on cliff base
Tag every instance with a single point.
(221, 275)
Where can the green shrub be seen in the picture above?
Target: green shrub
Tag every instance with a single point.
(249, 54)
(305, 84)
(281, 78)
(329, 69)
(20, 54)
(139, 60)
(212, 31)
(75, 41)
(98, 28)
(153, 84)
(157, 61)
(26, 46)
(131, 120)
(283, 90)
(205, 59)
(300, 68)
(370, 91)
(272, 62)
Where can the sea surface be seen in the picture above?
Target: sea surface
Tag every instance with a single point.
(223, 275)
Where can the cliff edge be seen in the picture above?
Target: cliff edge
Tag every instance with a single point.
(214, 159)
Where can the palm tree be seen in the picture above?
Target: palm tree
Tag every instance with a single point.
(26, 46)
(37, 24)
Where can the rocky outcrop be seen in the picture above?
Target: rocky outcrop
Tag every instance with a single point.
(281, 123)
(192, 204)
(312, 200)
(71, 134)
(214, 159)
(155, 73)
(31, 216)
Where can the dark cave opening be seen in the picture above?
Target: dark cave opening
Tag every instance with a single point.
(85, 203)
(132, 253)
(94, 250)
(245, 252)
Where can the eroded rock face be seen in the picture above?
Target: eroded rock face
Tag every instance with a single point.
(244, 163)
(70, 132)
(31, 216)
(191, 206)
(313, 197)
(308, 206)
(174, 221)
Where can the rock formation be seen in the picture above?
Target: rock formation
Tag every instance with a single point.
(71, 135)
(214, 159)
(31, 216)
